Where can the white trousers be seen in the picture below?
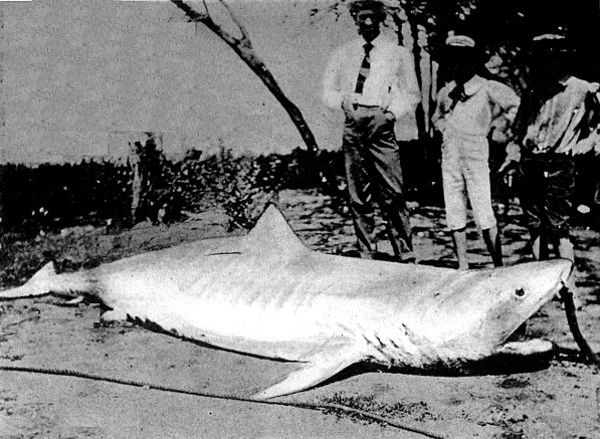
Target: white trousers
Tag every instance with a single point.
(466, 176)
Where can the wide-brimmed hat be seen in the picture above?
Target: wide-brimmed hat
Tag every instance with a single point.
(461, 46)
(460, 41)
(554, 41)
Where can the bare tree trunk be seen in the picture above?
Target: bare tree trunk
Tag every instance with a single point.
(2, 192)
(243, 48)
(399, 23)
(136, 183)
(432, 95)
(416, 49)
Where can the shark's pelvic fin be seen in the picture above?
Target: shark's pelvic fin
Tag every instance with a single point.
(114, 315)
(273, 235)
(319, 368)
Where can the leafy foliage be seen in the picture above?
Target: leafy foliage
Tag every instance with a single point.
(502, 29)
(243, 185)
(54, 195)
(50, 197)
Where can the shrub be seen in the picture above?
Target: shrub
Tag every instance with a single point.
(58, 195)
(240, 185)
(52, 196)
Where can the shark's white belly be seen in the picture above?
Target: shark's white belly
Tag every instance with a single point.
(257, 306)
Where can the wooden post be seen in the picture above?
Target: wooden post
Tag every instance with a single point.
(137, 180)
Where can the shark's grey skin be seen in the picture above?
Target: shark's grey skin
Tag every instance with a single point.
(267, 294)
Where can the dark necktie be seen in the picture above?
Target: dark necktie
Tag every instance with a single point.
(457, 94)
(364, 69)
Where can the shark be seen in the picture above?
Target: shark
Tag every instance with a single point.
(267, 294)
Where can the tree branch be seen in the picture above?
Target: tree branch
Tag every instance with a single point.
(243, 48)
(193, 15)
(245, 40)
(205, 18)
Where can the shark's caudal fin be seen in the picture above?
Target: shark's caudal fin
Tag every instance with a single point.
(273, 234)
(320, 368)
(36, 286)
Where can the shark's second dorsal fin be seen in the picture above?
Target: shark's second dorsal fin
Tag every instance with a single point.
(273, 235)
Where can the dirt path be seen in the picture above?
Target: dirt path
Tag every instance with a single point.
(556, 402)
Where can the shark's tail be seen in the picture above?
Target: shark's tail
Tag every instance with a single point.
(38, 285)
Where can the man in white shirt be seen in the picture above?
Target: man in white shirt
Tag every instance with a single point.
(372, 79)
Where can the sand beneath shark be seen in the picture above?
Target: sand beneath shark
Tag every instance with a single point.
(558, 400)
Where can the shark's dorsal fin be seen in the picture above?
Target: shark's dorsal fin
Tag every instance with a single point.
(273, 235)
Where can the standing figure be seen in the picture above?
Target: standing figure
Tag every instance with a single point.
(559, 118)
(372, 79)
(466, 108)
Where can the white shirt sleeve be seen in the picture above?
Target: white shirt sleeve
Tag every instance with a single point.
(332, 95)
(592, 140)
(439, 116)
(406, 95)
(505, 98)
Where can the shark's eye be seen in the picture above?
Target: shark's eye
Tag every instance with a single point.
(520, 292)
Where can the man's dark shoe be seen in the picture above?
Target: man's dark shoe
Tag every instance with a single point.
(403, 259)
(380, 256)
(351, 254)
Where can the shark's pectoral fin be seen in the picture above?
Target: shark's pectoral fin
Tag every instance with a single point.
(319, 368)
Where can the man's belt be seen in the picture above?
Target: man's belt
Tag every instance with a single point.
(357, 106)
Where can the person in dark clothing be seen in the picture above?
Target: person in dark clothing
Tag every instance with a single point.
(558, 119)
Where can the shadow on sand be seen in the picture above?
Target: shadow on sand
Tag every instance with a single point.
(497, 365)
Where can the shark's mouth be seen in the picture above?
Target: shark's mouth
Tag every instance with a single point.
(527, 348)
(519, 345)
(515, 357)
(531, 347)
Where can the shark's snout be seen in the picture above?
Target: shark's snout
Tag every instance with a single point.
(554, 274)
(566, 271)
(548, 277)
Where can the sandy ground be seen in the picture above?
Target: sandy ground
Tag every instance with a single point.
(556, 401)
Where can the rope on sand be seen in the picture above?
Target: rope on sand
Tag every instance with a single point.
(301, 405)
(586, 352)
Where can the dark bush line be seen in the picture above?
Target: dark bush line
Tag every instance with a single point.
(53, 196)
